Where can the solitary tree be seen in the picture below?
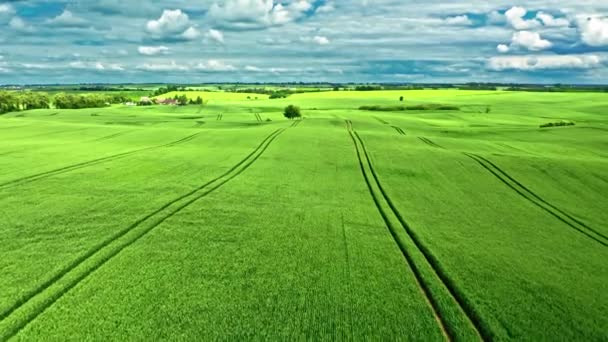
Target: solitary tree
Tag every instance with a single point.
(401, 98)
(292, 112)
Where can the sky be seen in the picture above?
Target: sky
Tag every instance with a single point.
(198, 41)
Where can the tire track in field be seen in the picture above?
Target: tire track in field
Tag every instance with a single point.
(258, 117)
(430, 142)
(81, 165)
(112, 136)
(111, 247)
(219, 117)
(55, 132)
(399, 130)
(381, 120)
(535, 199)
(467, 309)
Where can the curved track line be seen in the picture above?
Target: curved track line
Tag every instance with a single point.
(228, 175)
(399, 130)
(112, 136)
(541, 199)
(475, 319)
(422, 286)
(430, 142)
(531, 197)
(81, 165)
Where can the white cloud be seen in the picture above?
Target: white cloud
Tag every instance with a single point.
(68, 19)
(594, 30)
(173, 66)
(172, 24)
(550, 21)
(326, 8)
(515, 17)
(544, 62)
(6, 9)
(459, 20)
(502, 48)
(254, 14)
(252, 68)
(99, 66)
(152, 50)
(215, 65)
(191, 33)
(321, 40)
(17, 23)
(215, 35)
(496, 17)
(530, 40)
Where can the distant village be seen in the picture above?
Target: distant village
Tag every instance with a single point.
(177, 100)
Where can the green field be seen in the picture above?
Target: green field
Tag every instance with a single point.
(227, 221)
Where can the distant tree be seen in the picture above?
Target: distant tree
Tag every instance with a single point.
(336, 88)
(291, 112)
(182, 100)
(401, 98)
(199, 100)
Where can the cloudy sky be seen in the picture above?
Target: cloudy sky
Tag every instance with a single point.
(87, 41)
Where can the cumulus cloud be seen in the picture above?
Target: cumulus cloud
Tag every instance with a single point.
(320, 40)
(172, 25)
(550, 21)
(515, 18)
(152, 50)
(326, 8)
(530, 40)
(215, 65)
(18, 24)
(544, 62)
(502, 48)
(6, 9)
(594, 30)
(496, 17)
(256, 14)
(68, 19)
(459, 20)
(215, 35)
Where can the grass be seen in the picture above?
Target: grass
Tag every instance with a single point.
(228, 221)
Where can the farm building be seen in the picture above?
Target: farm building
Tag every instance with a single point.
(168, 102)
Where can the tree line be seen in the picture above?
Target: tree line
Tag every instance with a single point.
(18, 101)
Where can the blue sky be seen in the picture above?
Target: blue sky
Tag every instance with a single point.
(194, 41)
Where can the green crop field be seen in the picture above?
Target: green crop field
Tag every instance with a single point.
(227, 221)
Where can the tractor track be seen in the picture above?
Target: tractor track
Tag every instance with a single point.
(55, 132)
(381, 120)
(430, 142)
(399, 130)
(112, 136)
(179, 204)
(219, 117)
(81, 165)
(258, 117)
(480, 328)
(535, 199)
